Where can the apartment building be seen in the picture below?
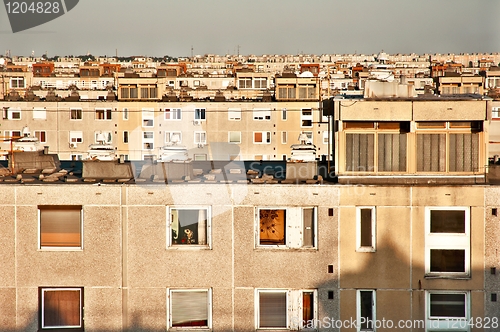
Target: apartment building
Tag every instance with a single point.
(405, 233)
(126, 251)
(138, 129)
(392, 139)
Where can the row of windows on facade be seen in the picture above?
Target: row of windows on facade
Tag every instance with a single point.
(132, 91)
(291, 309)
(199, 137)
(440, 146)
(20, 83)
(148, 115)
(447, 231)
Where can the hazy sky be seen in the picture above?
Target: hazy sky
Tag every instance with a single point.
(167, 27)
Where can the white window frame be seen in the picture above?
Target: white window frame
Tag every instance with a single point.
(12, 112)
(262, 114)
(14, 133)
(294, 303)
(75, 137)
(229, 137)
(37, 134)
(108, 136)
(264, 134)
(107, 114)
(259, 83)
(308, 117)
(17, 85)
(148, 118)
(79, 111)
(127, 134)
(444, 241)
(172, 114)
(169, 134)
(234, 114)
(200, 114)
(447, 323)
(495, 112)
(327, 138)
(199, 156)
(42, 307)
(310, 136)
(125, 113)
(76, 156)
(358, 309)
(284, 137)
(148, 140)
(170, 291)
(373, 247)
(198, 137)
(171, 245)
(294, 227)
(55, 248)
(245, 83)
(284, 114)
(39, 113)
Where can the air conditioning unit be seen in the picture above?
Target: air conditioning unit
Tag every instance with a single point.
(197, 122)
(72, 145)
(201, 145)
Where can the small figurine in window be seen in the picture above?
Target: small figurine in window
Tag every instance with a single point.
(189, 234)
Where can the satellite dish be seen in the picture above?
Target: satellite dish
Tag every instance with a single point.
(2, 61)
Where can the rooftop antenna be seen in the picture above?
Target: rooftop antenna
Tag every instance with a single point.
(191, 51)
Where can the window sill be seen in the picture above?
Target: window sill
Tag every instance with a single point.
(275, 329)
(444, 276)
(59, 249)
(190, 328)
(189, 247)
(64, 329)
(366, 250)
(280, 248)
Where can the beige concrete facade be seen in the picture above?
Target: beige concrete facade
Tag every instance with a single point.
(127, 269)
(246, 119)
(396, 270)
(401, 137)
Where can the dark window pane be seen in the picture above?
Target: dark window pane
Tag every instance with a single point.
(447, 221)
(359, 125)
(61, 308)
(447, 305)
(447, 260)
(431, 125)
(308, 227)
(366, 306)
(307, 308)
(366, 227)
(272, 310)
(189, 226)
